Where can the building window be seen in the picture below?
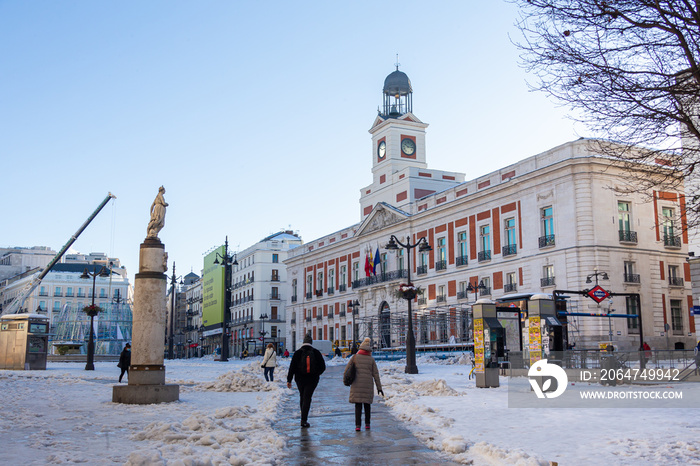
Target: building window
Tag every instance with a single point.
(42, 305)
(486, 290)
(441, 263)
(57, 291)
(669, 228)
(43, 292)
(510, 247)
(547, 216)
(422, 268)
(547, 276)
(630, 275)
(331, 280)
(343, 333)
(624, 217)
(677, 317)
(632, 323)
(462, 252)
(382, 262)
(399, 259)
(274, 293)
(355, 271)
(309, 286)
(56, 306)
(275, 275)
(485, 240)
(275, 258)
(673, 278)
(273, 331)
(294, 290)
(320, 333)
(441, 296)
(511, 284)
(69, 292)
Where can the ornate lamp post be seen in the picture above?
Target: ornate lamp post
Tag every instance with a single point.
(171, 332)
(227, 261)
(92, 312)
(423, 246)
(263, 332)
(474, 288)
(355, 308)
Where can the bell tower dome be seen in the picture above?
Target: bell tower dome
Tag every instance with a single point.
(398, 95)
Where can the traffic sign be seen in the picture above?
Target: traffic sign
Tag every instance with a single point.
(598, 294)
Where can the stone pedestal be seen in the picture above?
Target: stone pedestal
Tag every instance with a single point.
(147, 372)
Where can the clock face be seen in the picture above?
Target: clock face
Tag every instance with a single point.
(381, 150)
(408, 146)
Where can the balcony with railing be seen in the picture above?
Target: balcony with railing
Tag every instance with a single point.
(69, 294)
(44, 293)
(275, 296)
(330, 315)
(81, 294)
(672, 242)
(275, 278)
(293, 321)
(485, 291)
(627, 236)
(380, 278)
(441, 298)
(675, 281)
(509, 250)
(294, 298)
(461, 260)
(341, 314)
(422, 301)
(308, 319)
(422, 270)
(510, 287)
(58, 294)
(319, 293)
(547, 281)
(632, 278)
(319, 316)
(441, 265)
(308, 295)
(484, 256)
(330, 290)
(546, 241)
(462, 294)
(342, 288)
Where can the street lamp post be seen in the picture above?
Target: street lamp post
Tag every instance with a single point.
(354, 306)
(423, 246)
(263, 332)
(92, 312)
(227, 261)
(474, 288)
(171, 333)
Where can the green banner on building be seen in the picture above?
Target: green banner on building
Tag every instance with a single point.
(213, 300)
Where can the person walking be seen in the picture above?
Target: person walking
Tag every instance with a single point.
(697, 357)
(362, 388)
(270, 362)
(124, 361)
(306, 368)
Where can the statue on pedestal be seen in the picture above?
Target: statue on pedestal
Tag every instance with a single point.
(157, 215)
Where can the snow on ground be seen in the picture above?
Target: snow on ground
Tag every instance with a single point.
(225, 413)
(447, 412)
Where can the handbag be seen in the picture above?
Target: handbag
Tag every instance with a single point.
(350, 372)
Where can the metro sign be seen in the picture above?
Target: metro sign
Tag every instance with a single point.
(598, 294)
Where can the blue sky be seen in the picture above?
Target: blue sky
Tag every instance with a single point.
(253, 115)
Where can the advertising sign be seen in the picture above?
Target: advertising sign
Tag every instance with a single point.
(213, 287)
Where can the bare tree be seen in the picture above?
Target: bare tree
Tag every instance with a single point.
(629, 70)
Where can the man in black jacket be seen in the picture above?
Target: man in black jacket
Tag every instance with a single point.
(124, 361)
(306, 367)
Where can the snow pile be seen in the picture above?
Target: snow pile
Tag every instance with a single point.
(246, 379)
(226, 436)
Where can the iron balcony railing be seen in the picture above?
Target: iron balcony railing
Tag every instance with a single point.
(547, 281)
(308, 319)
(331, 290)
(380, 278)
(632, 278)
(319, 317)
(341, 314)
(462, 295)
(510, 287)
(675, 281)
(509, 250)
(422, 301)
(627, 236)
(484, 256)
(422, 269)
(441, 298)
(308, 295)
(293, 321)
(672, 241)
(547, 240)
(342, 287)
(441, 265)
(294, 298)
(485, 291)
(319, 293)
(275, 296)
(461, 260)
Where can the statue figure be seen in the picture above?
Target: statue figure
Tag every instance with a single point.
(157, 215)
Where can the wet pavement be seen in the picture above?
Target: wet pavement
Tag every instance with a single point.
(332, 438)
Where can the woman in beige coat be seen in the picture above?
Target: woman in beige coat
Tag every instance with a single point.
(362, 388)
(270, 362)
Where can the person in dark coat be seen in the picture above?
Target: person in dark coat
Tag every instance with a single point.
(306, 383)
(362, 388)
(124, 361)
(353, 350)
(337, 352)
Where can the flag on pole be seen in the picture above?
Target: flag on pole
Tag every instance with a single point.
(368, 263)
(377, 262)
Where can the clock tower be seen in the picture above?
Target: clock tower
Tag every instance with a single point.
(399, 169)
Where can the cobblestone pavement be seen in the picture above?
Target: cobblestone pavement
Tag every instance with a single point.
(332, 439)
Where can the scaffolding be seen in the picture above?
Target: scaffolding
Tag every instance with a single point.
(446, 327)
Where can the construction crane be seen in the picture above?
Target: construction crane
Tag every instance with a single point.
(15, 306)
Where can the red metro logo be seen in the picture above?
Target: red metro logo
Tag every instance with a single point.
(598, 294)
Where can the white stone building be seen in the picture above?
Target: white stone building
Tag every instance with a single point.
(545, 223)
(15, 261)
(258, 283)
